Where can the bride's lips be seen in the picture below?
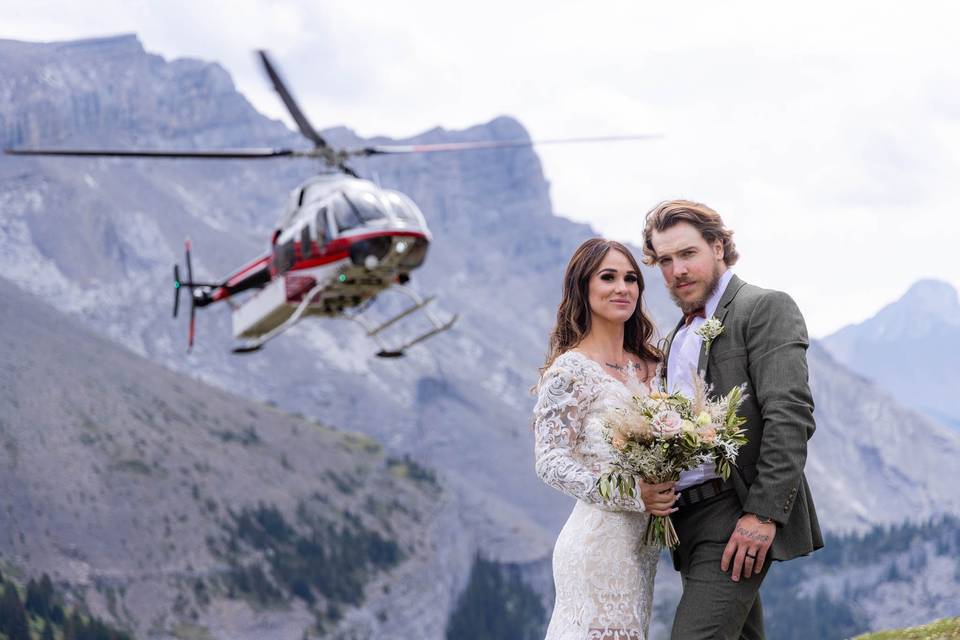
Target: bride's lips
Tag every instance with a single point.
(620, 301)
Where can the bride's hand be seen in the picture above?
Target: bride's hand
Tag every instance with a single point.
(658, 499)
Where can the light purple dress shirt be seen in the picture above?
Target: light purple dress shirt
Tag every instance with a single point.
(682, 366)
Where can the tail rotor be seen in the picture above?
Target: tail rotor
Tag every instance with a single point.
(193, 303)
(176, 289)
(178, 284)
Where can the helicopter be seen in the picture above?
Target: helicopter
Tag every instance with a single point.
(341, 241)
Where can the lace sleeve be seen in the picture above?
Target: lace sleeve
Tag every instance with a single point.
(564, 396)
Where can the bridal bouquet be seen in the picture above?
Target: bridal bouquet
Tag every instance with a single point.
(658, 435)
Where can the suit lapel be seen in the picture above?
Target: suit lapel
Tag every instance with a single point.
(733, 287)
(666, 354)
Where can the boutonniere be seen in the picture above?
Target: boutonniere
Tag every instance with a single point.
(709, 331)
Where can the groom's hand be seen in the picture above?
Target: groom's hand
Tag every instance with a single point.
(748, 547)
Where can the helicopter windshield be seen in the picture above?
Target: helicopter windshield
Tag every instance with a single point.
(351, 211)
(365, 205)
(404, 209)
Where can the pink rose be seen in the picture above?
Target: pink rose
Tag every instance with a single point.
(709, 435)
(667, 424)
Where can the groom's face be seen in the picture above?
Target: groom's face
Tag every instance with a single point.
(690, 266)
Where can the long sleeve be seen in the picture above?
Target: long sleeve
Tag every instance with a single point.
(564, 396)
(777, 344)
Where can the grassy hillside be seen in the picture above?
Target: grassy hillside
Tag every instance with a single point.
(946, 629)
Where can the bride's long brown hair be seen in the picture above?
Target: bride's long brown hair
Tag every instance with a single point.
(573, 314)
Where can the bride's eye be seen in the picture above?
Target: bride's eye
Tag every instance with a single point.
(607, 277)
(631, 279)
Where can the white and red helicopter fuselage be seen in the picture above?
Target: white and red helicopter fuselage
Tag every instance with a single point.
(341, 241)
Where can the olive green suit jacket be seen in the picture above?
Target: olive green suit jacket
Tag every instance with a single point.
(763, 346)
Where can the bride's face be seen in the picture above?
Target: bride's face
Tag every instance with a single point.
(614, 288)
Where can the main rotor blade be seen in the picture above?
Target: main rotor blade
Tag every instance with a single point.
(222, 154)
(489, 144)
(305, 127)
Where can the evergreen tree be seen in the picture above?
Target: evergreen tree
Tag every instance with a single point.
(13, 617)
(40, 597)
(47, 631)
(57, 616)
(73, 627)
(496, 605)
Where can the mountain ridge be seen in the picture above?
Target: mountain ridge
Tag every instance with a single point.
(909, 349)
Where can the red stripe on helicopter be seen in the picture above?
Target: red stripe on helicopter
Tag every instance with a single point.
(246, 271)
(334, 251)
(340, 248)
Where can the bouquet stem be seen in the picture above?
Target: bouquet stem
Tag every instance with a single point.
(660, 532)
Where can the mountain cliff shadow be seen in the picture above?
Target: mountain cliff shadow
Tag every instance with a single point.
(433, 389)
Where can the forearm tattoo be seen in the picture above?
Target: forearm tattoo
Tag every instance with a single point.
(752, 535)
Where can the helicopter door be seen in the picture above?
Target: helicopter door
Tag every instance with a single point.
(284, 256)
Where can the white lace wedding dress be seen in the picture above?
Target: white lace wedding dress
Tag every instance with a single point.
(602, 570)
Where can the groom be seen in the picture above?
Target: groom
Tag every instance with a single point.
(730, 530)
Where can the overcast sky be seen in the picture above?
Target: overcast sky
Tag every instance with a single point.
(826, 134)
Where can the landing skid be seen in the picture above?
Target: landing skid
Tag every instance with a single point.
(419, 303)
(439, 326)
(247, 348)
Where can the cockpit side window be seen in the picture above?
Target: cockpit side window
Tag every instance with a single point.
(306, 241)
(344, 215)
(321, 226)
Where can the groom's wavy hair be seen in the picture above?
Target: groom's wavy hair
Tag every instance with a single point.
(573, 314)
(704, 219)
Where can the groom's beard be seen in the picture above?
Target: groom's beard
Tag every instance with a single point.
(701, 302)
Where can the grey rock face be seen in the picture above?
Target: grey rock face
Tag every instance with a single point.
(871, 461)
(910, 348)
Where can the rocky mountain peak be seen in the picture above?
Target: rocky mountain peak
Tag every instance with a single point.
(934, 298)
(110, 91)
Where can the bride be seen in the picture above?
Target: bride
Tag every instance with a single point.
(599, 355)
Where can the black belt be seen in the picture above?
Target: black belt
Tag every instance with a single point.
(703, 491)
